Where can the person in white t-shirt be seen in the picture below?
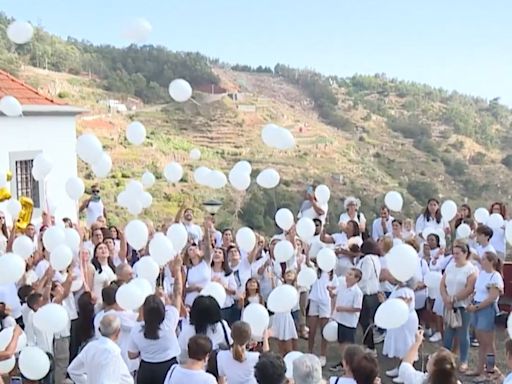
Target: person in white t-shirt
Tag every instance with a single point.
(431, 218)
(349, 301)
(185, 216)
(199, 348)
(498, 238)
(352, 206)
(94, 206)
(483, 238)
(382, 225)
(236, 366)
(311, 208)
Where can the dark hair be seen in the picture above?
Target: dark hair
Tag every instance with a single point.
(355, 227)
(351, 354)
(85, 321)
(426, 213)
(24, 291)
(205, 312)
(435, 236)
(4, 229)
(33, 299)
(443, 368)
(246, 296)
(463, 246)
(153, 310)
(461, 220)
(496, 262)
(357, 272)
(484, 230)
(270, 369)
(365, 368)
(370, 247)
(503, 209)
(199, 346)
(117, 232)
(225, 264)
(241, 334)
(508, 347)
(95, 262)
(108, 294)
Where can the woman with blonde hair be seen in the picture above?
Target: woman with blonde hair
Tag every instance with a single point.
(236, 366)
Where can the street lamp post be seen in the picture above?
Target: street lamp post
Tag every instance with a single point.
(212, 206)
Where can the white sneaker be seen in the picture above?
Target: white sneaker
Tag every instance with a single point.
(378, 337)
(392, 372)
(398, 380)
(436, 337)
(323, 361)
(428, 332)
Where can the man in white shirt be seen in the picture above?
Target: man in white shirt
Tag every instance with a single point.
(94, 206)
(383, 225)
(100, 361)
(195, 233)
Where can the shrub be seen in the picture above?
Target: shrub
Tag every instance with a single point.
(410, 127)
(422, 190)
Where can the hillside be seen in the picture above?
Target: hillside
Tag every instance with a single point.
(362, 135)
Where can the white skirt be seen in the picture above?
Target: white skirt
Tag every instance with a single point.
(398, 341)
(283, 327)
(438, 307)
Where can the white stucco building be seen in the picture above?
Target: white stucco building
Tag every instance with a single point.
(46, 126)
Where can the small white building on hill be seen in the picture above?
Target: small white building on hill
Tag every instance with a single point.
(47, 126)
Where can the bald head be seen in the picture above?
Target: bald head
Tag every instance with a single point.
(110, 325)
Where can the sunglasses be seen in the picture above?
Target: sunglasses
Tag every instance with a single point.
(95, 191)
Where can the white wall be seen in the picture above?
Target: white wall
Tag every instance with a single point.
(56, 137)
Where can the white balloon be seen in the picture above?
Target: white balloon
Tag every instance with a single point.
(34, 363)
(137, 31)
(10, 106)
(201, 175)
(288, 360)
(146, 200)
(75, 188)
(495, 221)
(243, 166)
(306, 277)
(143, 285)
(216, 291)
(326, 259)
(256, 315)
(178, 235)
(51, 318)
(282, 299)
(134, 188)
(53, 237)
(13, 207)
(6, 337)
(173, 172)
(8, 365)
(72, 239)
(509, 325)
(322, 193)
(268, 178)
(433, 279)
(42, 166)
(123, 199)
(24, 247)
(136, 133)
(61, 257)
(448, 210)
(394, 201)
(136, 233)
(148, 179)
(239, 180)
(195, 154)
(402, 262)
(134, 207)
(306, 228)
(89, 148)
(20, 32)
(130, 297)
(330, 331)
(246, 239)
(216, 179)
(161, 249)
(180, 90)
(508, 232)
(147, 268)
(284, 219)
(481, 215)
(391, 314)
(283, 251)
(277, 137)
(463, 231)
(102, 166)
(12, 267)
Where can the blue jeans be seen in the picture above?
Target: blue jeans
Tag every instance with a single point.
(462, 334)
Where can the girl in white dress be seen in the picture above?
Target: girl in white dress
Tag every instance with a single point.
(431, 218)
(283, 325)
(398, 340)
(103, 272)
(198, 271)
(222, 274)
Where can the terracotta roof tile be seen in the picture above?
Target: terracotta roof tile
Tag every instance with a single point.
(26, 95)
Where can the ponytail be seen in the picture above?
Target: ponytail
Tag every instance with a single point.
(239, 353)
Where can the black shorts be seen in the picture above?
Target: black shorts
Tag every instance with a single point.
(346, 334)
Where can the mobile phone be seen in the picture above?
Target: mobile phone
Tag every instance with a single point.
(490, 362)
(16, 380)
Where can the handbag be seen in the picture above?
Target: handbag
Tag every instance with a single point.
(452, 318)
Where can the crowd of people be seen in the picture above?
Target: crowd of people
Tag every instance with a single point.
(180, 336)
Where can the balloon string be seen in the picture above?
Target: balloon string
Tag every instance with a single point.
(195, 102)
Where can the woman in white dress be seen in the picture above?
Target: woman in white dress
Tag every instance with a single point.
(398, 340)
(103, 272)
(283, 324)
(431, 218)
(222, 274)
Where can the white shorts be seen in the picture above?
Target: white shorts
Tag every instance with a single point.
(320, 309)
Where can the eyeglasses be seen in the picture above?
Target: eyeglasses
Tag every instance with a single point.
(95, 191)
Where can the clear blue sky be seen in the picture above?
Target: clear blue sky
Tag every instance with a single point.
(463, 45)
